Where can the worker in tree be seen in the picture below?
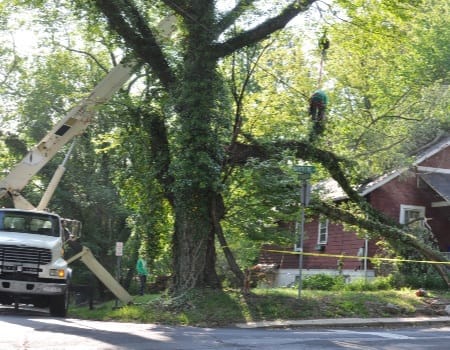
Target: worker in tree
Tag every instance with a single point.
(317, 107)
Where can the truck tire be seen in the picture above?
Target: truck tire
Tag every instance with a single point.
(59, 304)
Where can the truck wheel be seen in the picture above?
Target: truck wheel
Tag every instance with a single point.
(59, 304)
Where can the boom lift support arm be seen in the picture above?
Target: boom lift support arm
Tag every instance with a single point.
(73, 124)
(103, 275)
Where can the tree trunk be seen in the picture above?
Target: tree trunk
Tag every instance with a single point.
(193, 247)
(197, 161)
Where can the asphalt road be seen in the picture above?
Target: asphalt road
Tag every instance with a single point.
(30, 329)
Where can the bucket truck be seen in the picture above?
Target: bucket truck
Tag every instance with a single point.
(32, 267)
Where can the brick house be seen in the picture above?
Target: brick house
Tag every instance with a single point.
(420, 193)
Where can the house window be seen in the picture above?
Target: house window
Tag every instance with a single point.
(323, 231)
(413, 214)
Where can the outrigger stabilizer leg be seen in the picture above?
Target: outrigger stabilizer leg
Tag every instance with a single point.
(86, 256)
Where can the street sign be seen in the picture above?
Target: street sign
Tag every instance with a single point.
(119, 248)
(304, 169)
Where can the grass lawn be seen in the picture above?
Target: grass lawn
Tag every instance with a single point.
(222, 308)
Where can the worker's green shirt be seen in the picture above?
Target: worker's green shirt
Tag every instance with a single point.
(141, 267)
(320, 97)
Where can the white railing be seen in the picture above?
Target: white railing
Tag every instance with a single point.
(446, 254)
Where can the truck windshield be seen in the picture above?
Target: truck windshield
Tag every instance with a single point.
(28, 222)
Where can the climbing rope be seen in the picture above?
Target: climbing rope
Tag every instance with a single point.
(324, 45)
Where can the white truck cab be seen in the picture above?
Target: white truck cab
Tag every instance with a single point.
(32, 267)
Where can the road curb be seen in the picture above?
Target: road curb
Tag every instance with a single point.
(348, 322)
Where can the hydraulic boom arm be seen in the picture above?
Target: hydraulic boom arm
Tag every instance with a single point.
(73, 124)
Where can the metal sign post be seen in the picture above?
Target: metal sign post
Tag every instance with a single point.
(119, 253)
(304, 173)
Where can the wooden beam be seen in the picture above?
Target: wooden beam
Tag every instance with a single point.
(440, 204)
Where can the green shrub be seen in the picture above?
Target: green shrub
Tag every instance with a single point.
(328, 282)
(383, 283)
(320, 281)
(339, 283)
(358, 285)
(379, 283)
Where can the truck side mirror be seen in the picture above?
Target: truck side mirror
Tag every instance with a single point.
(72, 229)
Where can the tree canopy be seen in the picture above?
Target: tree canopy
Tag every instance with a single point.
(195, 147)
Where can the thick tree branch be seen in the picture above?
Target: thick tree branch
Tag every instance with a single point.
(335, 165)
(240, 153)
(263, 30)
(126, 20)
(230, 17)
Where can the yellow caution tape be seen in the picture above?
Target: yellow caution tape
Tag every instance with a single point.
(343, 256)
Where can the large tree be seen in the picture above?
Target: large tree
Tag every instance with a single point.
(193, 163)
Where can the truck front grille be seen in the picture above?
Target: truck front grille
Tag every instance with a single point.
(24, 255)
